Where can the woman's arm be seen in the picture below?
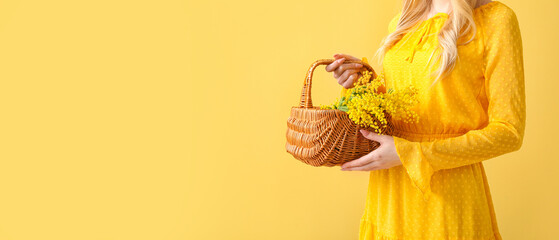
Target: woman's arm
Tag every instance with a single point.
(504, 84)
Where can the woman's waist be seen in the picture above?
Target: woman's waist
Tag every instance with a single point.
(423, 135)
(428, 129)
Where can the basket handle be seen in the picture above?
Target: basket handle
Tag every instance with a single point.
(306, 100)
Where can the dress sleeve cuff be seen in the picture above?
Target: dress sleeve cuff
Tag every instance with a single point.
(418, 168)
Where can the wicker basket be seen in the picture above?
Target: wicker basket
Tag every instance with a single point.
(327, 137)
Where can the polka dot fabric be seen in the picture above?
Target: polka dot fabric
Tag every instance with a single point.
(474, 114)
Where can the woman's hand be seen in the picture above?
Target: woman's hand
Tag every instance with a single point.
(385, 156)
(345, 73)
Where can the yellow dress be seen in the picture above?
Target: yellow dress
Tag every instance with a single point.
(474, 114)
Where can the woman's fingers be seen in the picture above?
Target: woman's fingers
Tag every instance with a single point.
(375, 165)
(341, 55)
(362, 161)
(351, 80)
(339, 66)
(346, 66)
(345, 73)
(342, 80)
(334, 65)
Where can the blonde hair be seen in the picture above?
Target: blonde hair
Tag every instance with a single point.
(458, 24)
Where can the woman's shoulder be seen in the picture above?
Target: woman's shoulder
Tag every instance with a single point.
(496, 13)
(497, 18)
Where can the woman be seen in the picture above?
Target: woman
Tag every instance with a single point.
(427, 181)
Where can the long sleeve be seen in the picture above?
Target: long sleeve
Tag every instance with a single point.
(505, 91)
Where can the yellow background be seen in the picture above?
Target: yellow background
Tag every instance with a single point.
(166, 120)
